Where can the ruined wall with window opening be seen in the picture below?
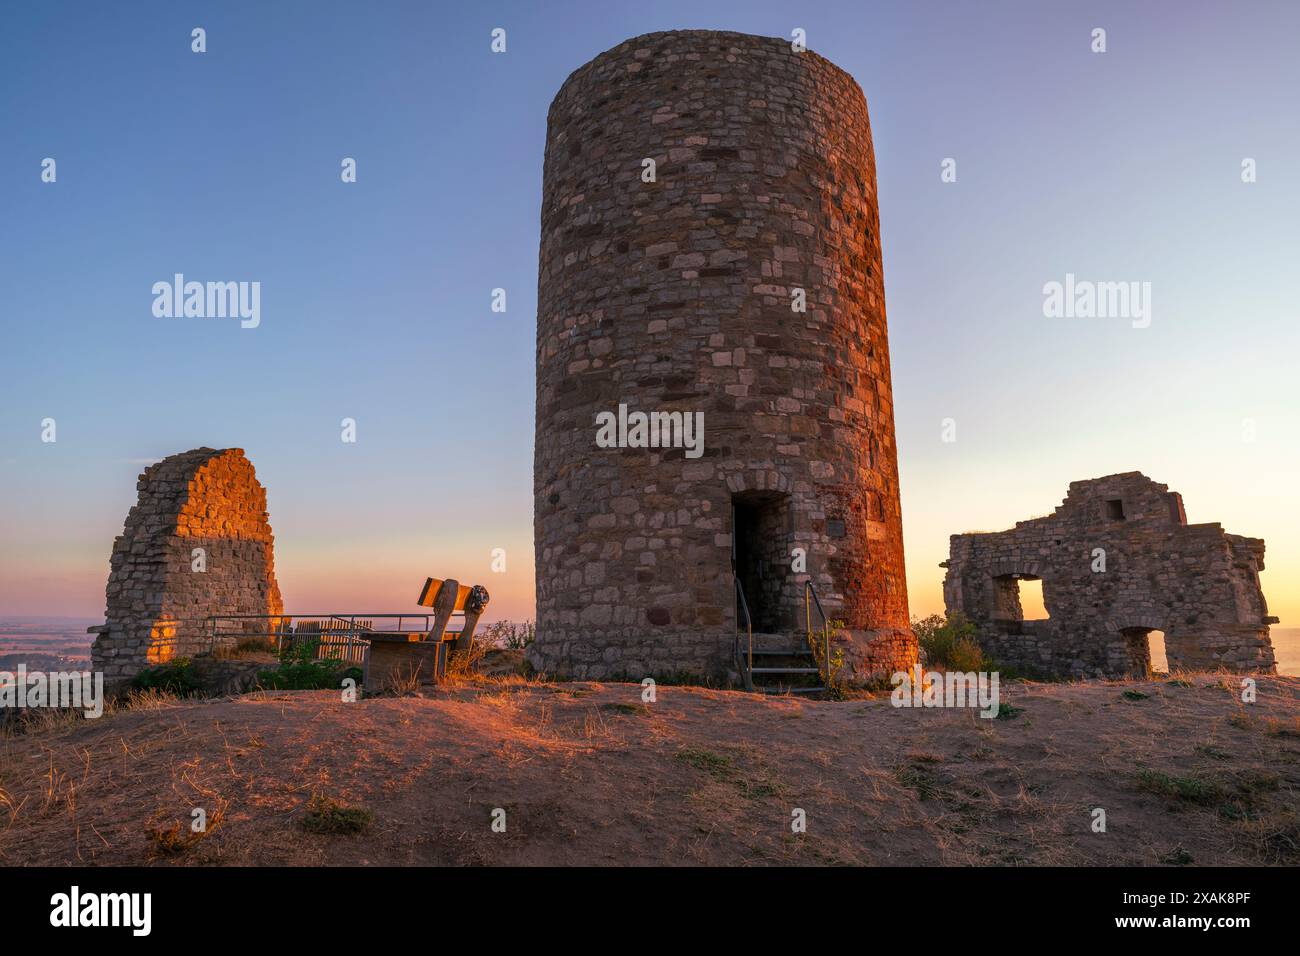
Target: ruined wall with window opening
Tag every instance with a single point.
(1117, 560)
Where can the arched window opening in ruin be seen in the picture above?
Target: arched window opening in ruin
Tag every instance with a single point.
(761, 555)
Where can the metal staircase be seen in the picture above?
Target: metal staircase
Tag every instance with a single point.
(777, 663)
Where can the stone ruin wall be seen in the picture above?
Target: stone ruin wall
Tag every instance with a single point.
(1196, 583)
(676, 296)
(156, 602)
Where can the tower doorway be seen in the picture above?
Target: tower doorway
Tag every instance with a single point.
(760, 556)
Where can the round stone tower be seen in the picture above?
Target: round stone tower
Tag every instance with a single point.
(713, 395)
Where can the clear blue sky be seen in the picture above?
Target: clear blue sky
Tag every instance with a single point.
(375, 295)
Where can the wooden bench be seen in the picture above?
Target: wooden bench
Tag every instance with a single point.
(397, 659)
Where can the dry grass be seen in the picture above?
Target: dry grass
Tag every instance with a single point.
(588, 773)
(171, 838)
(402, 682)
(248, 647)
(45, 722)
(464, 664)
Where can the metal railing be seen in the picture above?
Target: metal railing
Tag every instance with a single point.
(332, 638)
(810, 599)
(744, 664)
(335, 636)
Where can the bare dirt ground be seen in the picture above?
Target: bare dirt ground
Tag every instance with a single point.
(588, 774)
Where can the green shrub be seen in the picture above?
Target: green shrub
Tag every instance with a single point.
(175, 677)
(965, 656)
(308, 675)
(329, 816)
(949, 642)
(1193, 789)
(300, 670)
(1008, 712)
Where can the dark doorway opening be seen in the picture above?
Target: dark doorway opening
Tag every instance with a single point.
(760, 556)
(1146, 651)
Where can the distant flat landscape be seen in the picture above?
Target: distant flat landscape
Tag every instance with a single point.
(45, 642)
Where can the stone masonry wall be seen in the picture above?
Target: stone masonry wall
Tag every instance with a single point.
(675, 295)
(1117, 560)
(156, 601)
